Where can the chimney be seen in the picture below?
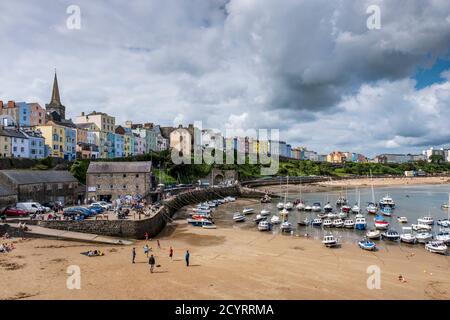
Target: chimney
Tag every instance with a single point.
(82, 113)
(11, 104)
(1, 104)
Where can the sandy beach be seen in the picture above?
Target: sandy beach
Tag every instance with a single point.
(226, 263)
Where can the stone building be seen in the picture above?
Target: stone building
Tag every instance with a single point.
(111, 180)
(42, 186)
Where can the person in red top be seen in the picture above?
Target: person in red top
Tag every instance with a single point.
(146, 235)
(171, 253)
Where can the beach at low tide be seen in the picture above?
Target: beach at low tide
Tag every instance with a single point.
(226, 263)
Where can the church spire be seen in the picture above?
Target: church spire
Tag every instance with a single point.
(55, 104)
(55, 93)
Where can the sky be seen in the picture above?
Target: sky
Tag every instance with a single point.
(310, 68)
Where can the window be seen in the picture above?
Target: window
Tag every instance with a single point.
(60, 186)
(124, 175)
(98, 186)
(48, 187)
(111, 186)
(124, 186)
(137, 187)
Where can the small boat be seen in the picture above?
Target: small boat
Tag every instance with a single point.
(373, 234)
(371, 208)
(322, 215)
(349, 224)
(275, 220)
(332, 215)
(264, 225)
(445, 206)
(300, 206)
(346, 209)
(366, 244)
(198, 222)
(356, 209)
(329, 241)
(426, 220)
(308, 208)
(390, 235)
(407, 236)
(444, 223)
(342, 215)
(288, 206)
(266, 199)
(421, 227)
(443, 236)
(304, 222)
(286, 226)
(316, 207)
(380, 223)
(232, 199)
(328, 207)
(402, 219)
(387, 201)
(436, 246)
(359, 215)
(265, 212)
(259, 218)
(201, 216)
(209, 226)
(341, 201)
(327, 223)
(201, 210)
(360, 223)
(284, 213)
(248, 210)
(424, 237)
(280, 205)
(386, 211)
(317, 222)
(338, 223)
(238, 217)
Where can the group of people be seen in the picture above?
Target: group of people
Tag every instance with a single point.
(6, 247)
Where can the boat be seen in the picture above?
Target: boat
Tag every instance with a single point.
(444, 223)
(304, 222)
(360, 223)
(402, 219)
(386, 211)
(371, 208)
(349, 224)
(338, 223)
(424, 237)
(426, 220)
(328, 207)
(201, 210)
(265, 212)
(421, 227)
(355, 209)
(232, 199)
(316, 207)
(436, 246)
(327, 223)
(359, 215)
(259, 218)
(443, 236)
(275, 220)
(308, 208)
(322, 215)
(387, 201)
(266, 199)
(407, 236)
(341, 201)
(300, 206)
(390, 235)
(286, 226)
(445, 206)
(316, 222)
(238, 217)
(342, 215)
(248, 210)
(380, 223)
(366, 244)
(201, 216)
(198, 222)
(209, 226)
(284, 213)
(280, 205)
(264, 225)
(332, 215)
(373, 234)
(288, 206)
(346, 209)
(330, 240)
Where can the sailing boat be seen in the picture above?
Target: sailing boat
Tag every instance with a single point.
(300, 204)
(280, 205)
(356, 209)
(445, 222)
(371, 207)
(287, 205)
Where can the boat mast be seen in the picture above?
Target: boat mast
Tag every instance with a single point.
(371, 182)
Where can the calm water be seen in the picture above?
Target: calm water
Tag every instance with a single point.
(411, 201)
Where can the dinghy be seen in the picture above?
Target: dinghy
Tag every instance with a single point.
(436, 247)
(373, 234)
(265, 212)
(248, 210)
(402, 219)
(264, 226)
(286, 226)
(238, 217)
(366, 244)
(407, 236)
(275, 220)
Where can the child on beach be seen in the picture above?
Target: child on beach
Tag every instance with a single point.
(171, 253)
(159, 245)
(151, 262)
(186, 257)
(133, 255)
(146, 250)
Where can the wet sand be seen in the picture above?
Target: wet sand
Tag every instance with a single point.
(226, 263)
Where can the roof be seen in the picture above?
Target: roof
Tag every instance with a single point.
(38, 176)
(120, 167)
(13, 133)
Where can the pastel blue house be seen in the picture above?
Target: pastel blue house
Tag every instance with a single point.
(70, 143)
(111, 141)
(36, 143)
(24, 114)
(119, 145)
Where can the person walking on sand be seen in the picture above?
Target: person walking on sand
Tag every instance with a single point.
(146, 250)
(186, 257)
(146, 236)
(159, 245)
(171, 253)
(133, 254)
(151, 262)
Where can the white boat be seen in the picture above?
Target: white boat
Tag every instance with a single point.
(356, 209)
(338, 223)
(349, 224)
(317, 222)
(426, 220)
(259, 218)
(371, 208)
(342, 215)
(288, 206)
(402, 219)
(286, 226)
(300, 206)
(284, 213)
(280, 205)
(436, 247)
(366, 244)
(248, 210)
(341, 201)
(322, 215)
(421, 227)
(238, 217)
(332, 215)
(327, 223)
(386, 211)
(443, 236)
(264, 225)
(230, 199)
(424, 237)
(359, 215)
(304, 222)
(444, 223)
(265, 212)
(329, 240)
(407, 236)
(373, 234)
(308, 208)
(201, 210)
(387, 201)
(391, 235)
(328, 207)
(360, 223)
(380, 223)
(275, 220)
(316, 207)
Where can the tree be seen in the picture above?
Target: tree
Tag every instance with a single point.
(79, 169)
(436, 158)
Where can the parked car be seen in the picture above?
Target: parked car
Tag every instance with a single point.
(105, 205)
(53, 204)
(32, 207)
(74, 211)
(96, 208)
(14, 212)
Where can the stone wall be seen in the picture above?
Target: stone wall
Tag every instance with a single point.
(7, 200)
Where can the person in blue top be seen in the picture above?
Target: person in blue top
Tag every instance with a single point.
(187, 258)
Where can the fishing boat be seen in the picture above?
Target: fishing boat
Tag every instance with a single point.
(275, 220)
(386, 211)
(264, 225)
(327, 223)
(387, 201)
(356, 209)
(390, 235)
(238, 217)
(265, 212)
(402, 219)
(372, 208)
(198, 222)
(421, 227)
(328, 207)
(304, 222)
(349, 224)
(366, 244)
(426, 220)
(424, 237)
(300, 206)
(436, 246)
(248, 210)
(338, 223)
(259, 218)
(407, 236)
(380, 223)
(360, 223)
(443, 236)
(373, 234)
(316, 207)
(330, 240)
(316, 222)
(286, 226)
(444, 223)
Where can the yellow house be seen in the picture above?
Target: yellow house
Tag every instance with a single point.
(5, 145)
(55, 138)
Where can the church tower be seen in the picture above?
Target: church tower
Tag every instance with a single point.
(55, 104)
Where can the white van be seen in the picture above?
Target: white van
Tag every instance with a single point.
(32, 207)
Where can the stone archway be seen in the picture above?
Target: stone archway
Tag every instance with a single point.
(218, 178)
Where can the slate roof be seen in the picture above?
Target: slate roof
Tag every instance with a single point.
(5, 191)
(120, 167)
(38, 176)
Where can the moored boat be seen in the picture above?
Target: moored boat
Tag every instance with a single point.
(304, 222)
(380, 223)
(390, 235)
(421, 227)
(316, 207)
(317, 222)
(386, 211)
(373, 234)
(338, 223)
(275, 219)
(238, 217)
(265, 212)
(426, 220)
(436, 246)
(328, 207)
(330, 240)
(259, 218)
(402, 219)
(360, 223)
(443, 236)
(407, 236)
(349, 224)
(248, 210)
(300, 206)
(264, 225)
(327, 223)
(371, 208)
(387, 201)
(424, 237)
(366, 244)
(286, 226)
